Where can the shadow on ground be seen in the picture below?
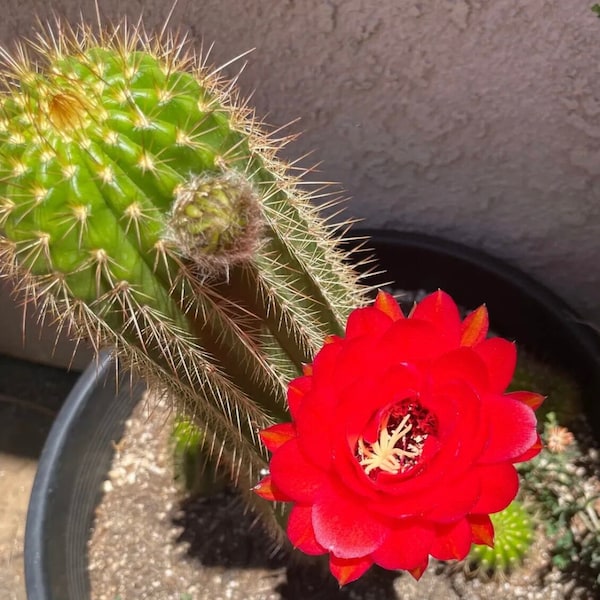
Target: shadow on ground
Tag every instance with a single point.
(220, 532)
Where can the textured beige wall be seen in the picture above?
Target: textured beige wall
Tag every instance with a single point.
(475, 119)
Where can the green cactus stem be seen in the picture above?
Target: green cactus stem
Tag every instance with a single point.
(513, 536)
(143, 206)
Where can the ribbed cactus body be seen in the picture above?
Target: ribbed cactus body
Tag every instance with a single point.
(146, 209)
(513, 537)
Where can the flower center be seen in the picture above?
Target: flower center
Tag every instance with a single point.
(401, 438)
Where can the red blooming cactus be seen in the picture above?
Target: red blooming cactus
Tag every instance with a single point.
(402, 440)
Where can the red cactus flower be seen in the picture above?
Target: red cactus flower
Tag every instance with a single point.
(402, 439)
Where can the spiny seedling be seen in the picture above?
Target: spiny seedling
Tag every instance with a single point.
(513, 537)
(194, 468)
(143, 207)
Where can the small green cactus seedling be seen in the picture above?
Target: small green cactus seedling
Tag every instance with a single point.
(513, 536)
(196, 470)
(143, 207)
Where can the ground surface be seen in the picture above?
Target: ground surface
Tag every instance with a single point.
(30, 396)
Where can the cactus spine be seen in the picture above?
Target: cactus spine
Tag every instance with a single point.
(143, 206)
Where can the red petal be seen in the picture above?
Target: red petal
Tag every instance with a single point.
(360, 358)
(440, 310)
(413, 340)
(499, 486)
(406, 547)
(531, 453)
(294, 475)
(456, 499)
(512, 428)
(265, 489)
(474, 327)
(346, 570)
(301, 532)
(275, 436)
(344, 527)
(533, 400)
(297, 389)
(366, 321)
(452, 541)
(327, 359)
(307, 369)
(315, 427)
(482, 530)
(461, 364)
(387, 304)
(500, 357)
(363, 417)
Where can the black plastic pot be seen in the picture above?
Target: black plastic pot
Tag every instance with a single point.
(67, 487)
(79, 450)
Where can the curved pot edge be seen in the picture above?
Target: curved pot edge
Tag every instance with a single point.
(35, 578)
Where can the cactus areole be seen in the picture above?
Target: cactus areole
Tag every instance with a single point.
(143, 207)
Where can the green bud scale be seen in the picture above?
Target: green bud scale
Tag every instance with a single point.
(143, 206)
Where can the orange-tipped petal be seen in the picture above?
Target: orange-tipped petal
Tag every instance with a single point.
(346, 570)
(275, 436)
(387, 304)
(307, 370)
(331, 339)
(453, 540)
(367, 321)
(265, 489)
(475, 327)
(417, 572)
(533, 400)
(482, 530)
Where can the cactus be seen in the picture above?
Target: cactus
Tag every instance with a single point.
(143, 207)
(513, 536)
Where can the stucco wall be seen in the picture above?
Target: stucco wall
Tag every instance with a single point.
(478, 120)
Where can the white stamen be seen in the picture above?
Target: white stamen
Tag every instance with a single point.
(383, 454)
